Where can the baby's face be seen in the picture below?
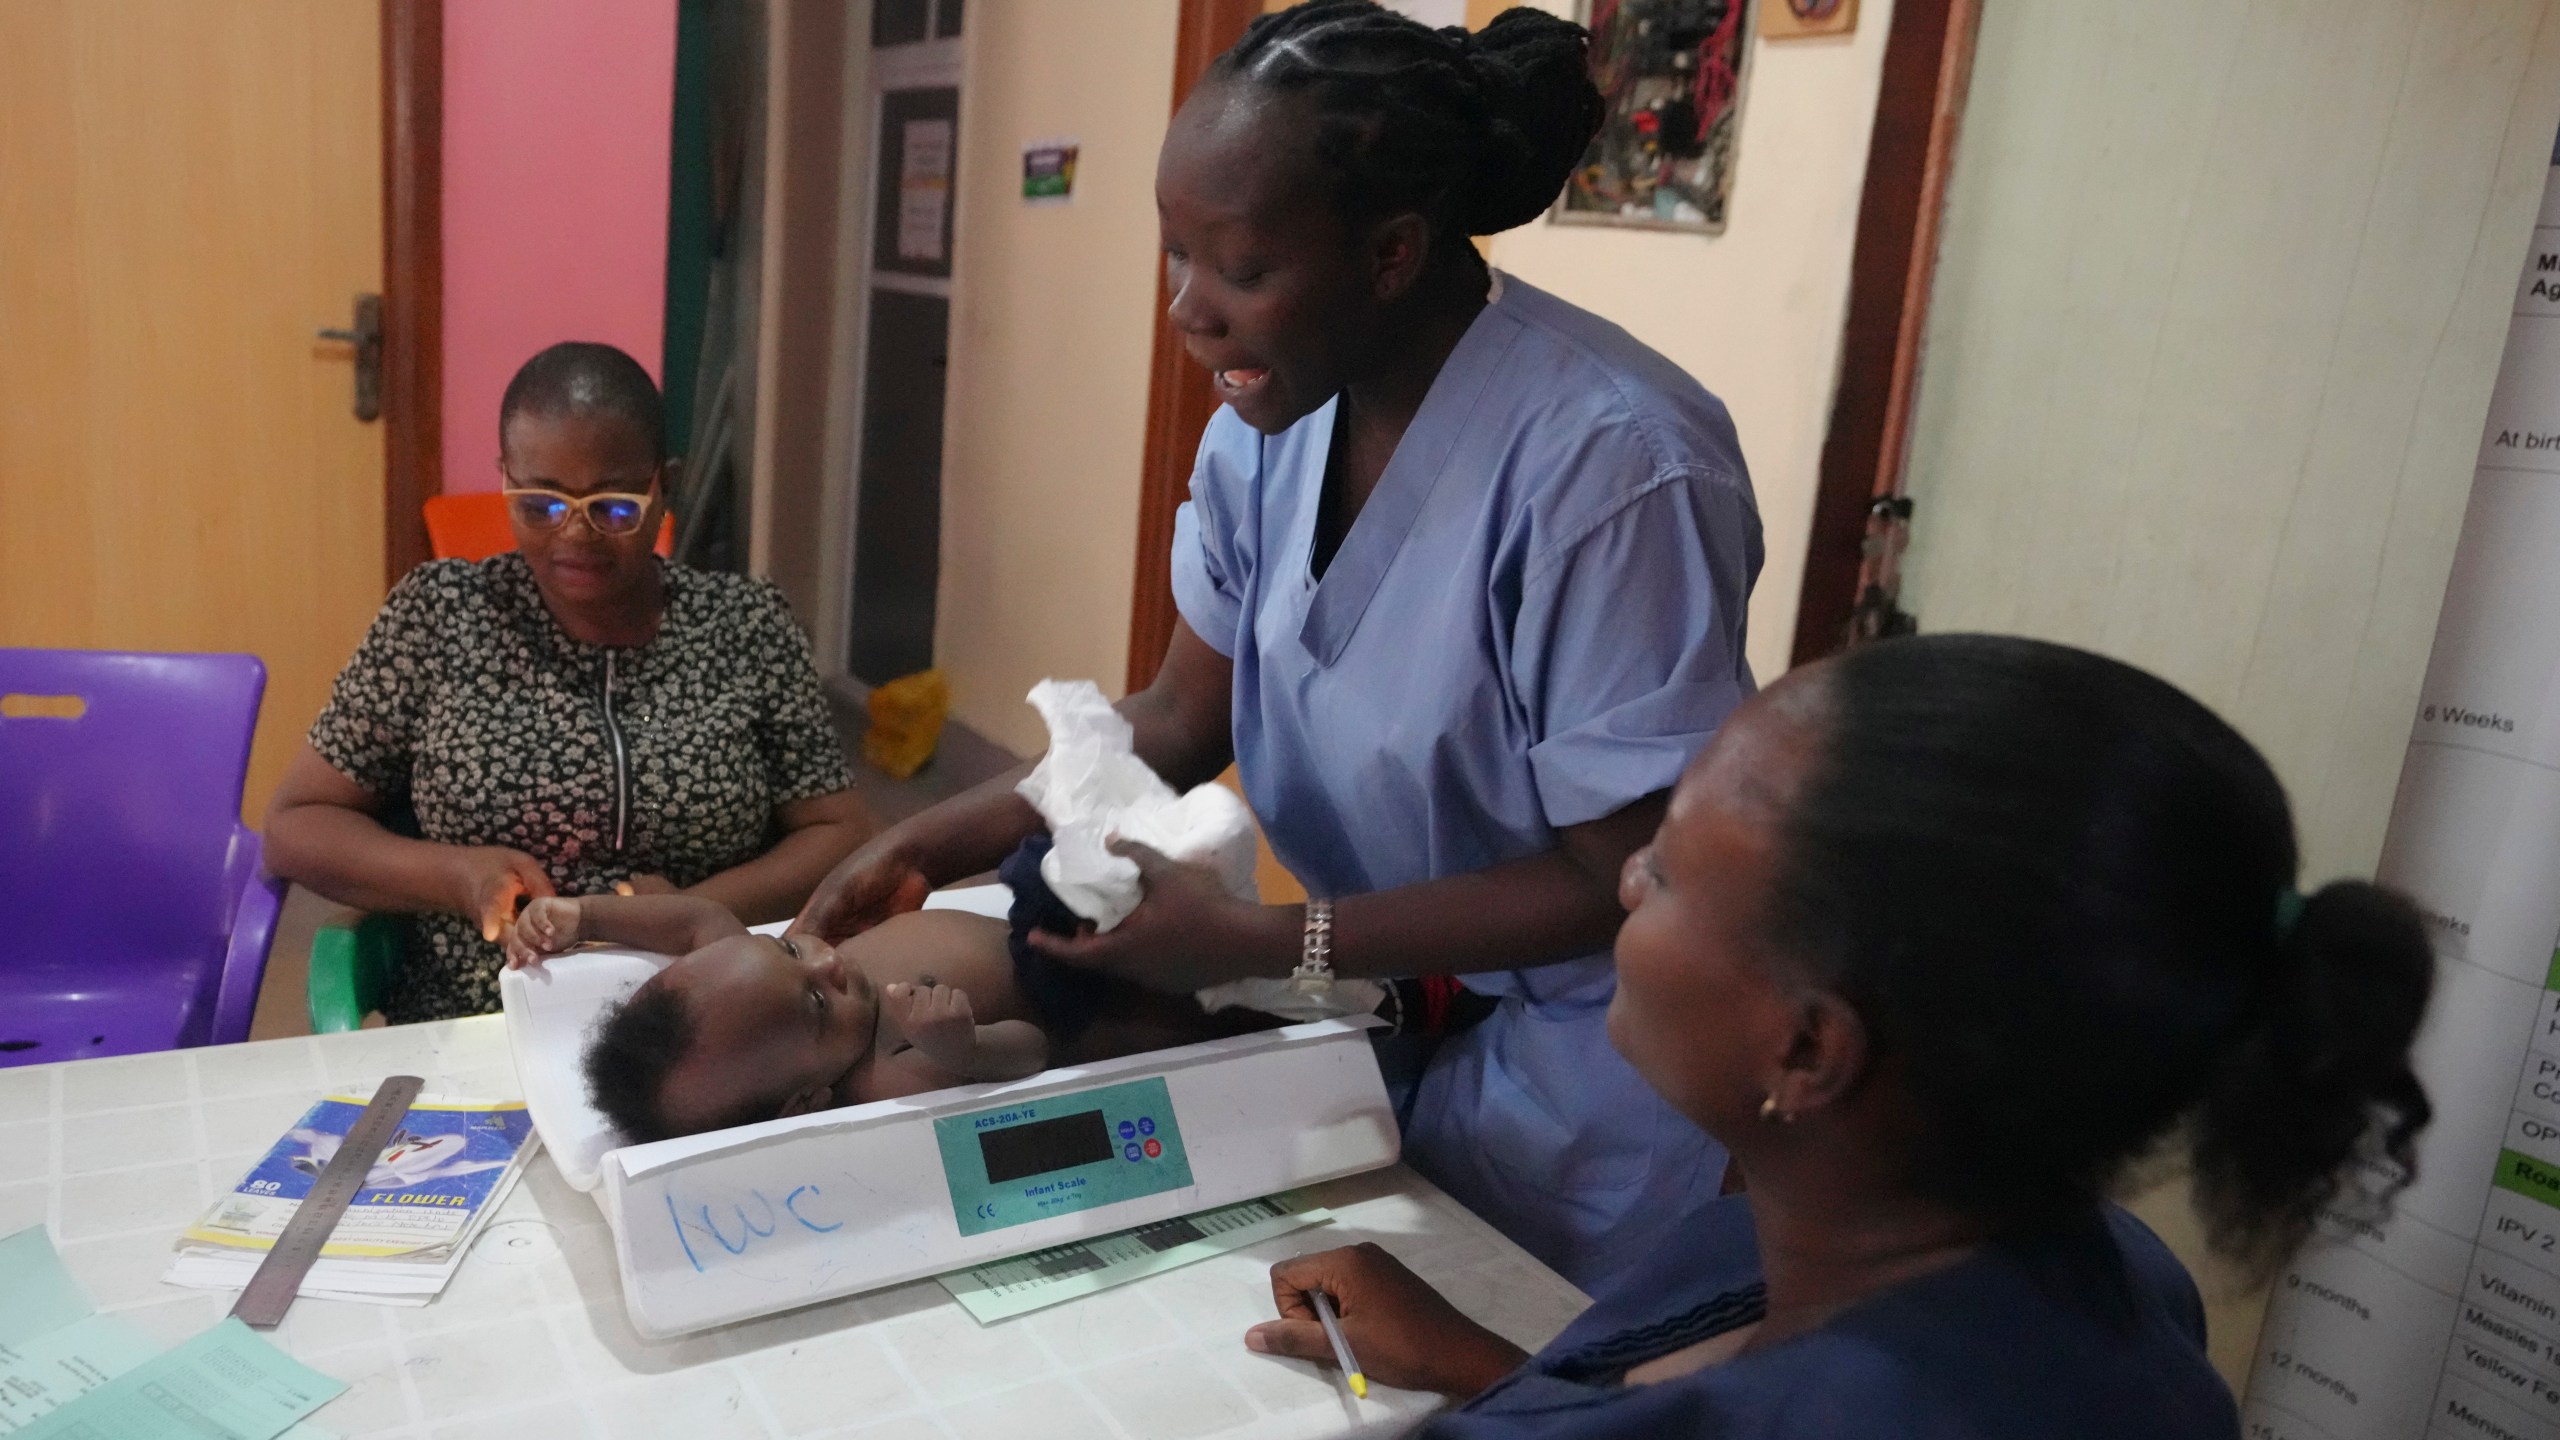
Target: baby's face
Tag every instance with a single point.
(770, 1015)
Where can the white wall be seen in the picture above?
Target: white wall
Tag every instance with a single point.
(1754, 313)
(1056, 307)
(2221, 296)
(1052, 325)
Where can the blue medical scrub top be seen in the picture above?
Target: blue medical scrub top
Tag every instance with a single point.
(2089, 1328)
(1536, 620)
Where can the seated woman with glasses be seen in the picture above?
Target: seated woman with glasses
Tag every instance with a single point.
(574, 717)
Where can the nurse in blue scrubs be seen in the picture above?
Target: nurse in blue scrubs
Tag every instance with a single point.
(1462, 586)
(1940, 936)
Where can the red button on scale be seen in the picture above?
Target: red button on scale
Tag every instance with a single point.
(1154, 1148)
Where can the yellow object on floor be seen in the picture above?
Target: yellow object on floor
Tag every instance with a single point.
(906, 723)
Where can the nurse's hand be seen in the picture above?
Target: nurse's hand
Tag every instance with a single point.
(1400, 1330)
(1187, 934)
(870, 885)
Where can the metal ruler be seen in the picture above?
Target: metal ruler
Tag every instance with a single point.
(270, 1291)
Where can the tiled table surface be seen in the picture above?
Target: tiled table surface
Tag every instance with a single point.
(116, 1156)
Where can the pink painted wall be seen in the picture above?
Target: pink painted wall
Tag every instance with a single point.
(556, 120)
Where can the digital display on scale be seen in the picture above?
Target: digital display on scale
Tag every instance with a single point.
(1044, 1145)
(1035, 1159)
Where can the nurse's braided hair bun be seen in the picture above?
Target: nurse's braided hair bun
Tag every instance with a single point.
(2058, 892)
(1477, 133)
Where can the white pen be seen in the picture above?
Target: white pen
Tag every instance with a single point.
(1341, 1348)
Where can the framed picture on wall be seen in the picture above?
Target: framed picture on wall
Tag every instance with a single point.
(1805, 19)
(1671, 75)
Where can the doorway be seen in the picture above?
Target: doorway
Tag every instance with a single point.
(195, 193)
(897, 510)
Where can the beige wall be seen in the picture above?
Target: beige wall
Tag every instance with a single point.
(816, 63)
(1051, 327)
(1754, 313)
(2222, 293)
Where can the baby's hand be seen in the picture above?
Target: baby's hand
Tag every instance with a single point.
(547, 927)
(938, 1021)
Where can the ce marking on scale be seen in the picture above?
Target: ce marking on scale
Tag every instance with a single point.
(987, 1211)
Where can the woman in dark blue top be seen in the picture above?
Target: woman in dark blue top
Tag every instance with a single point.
(1936, 937)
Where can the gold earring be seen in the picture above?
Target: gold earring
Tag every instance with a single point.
(1769, 1107)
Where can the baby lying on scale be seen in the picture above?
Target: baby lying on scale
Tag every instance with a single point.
(745, 1027)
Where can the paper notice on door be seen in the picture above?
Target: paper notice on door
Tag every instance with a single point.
(924, 187)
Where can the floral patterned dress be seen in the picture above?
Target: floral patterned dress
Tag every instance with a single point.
(469, 703)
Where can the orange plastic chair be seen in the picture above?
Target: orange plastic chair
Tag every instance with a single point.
(474, 527)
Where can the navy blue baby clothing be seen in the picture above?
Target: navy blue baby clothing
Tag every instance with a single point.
(1066, 999)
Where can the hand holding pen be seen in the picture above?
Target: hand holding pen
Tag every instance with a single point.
(1402, 1333)
(1342, 1355)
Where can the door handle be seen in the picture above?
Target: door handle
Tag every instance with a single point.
(367, 338)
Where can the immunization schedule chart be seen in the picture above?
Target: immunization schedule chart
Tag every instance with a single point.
(2442, 1320)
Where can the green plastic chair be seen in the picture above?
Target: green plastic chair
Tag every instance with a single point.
(355, 957)
(353, 961)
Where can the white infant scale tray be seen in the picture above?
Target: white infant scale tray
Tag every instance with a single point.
(717, 1228)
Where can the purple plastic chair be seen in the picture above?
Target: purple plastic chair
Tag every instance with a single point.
(133, 912)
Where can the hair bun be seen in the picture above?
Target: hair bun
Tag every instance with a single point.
(2319, 1072)
(1533, 71)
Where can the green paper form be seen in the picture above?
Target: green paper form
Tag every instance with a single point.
(67, 1373)
(1002, 1289)
(62, 1365)
(222, 1384)
(36, 1293)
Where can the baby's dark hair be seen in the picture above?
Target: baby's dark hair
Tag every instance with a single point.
(2060, 893)
(582, 377)
(636, 1046)
(1476, 133)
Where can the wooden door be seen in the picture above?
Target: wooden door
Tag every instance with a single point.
(191, 191)
(1179, 399)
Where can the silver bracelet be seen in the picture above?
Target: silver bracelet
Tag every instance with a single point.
(1314, 976)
